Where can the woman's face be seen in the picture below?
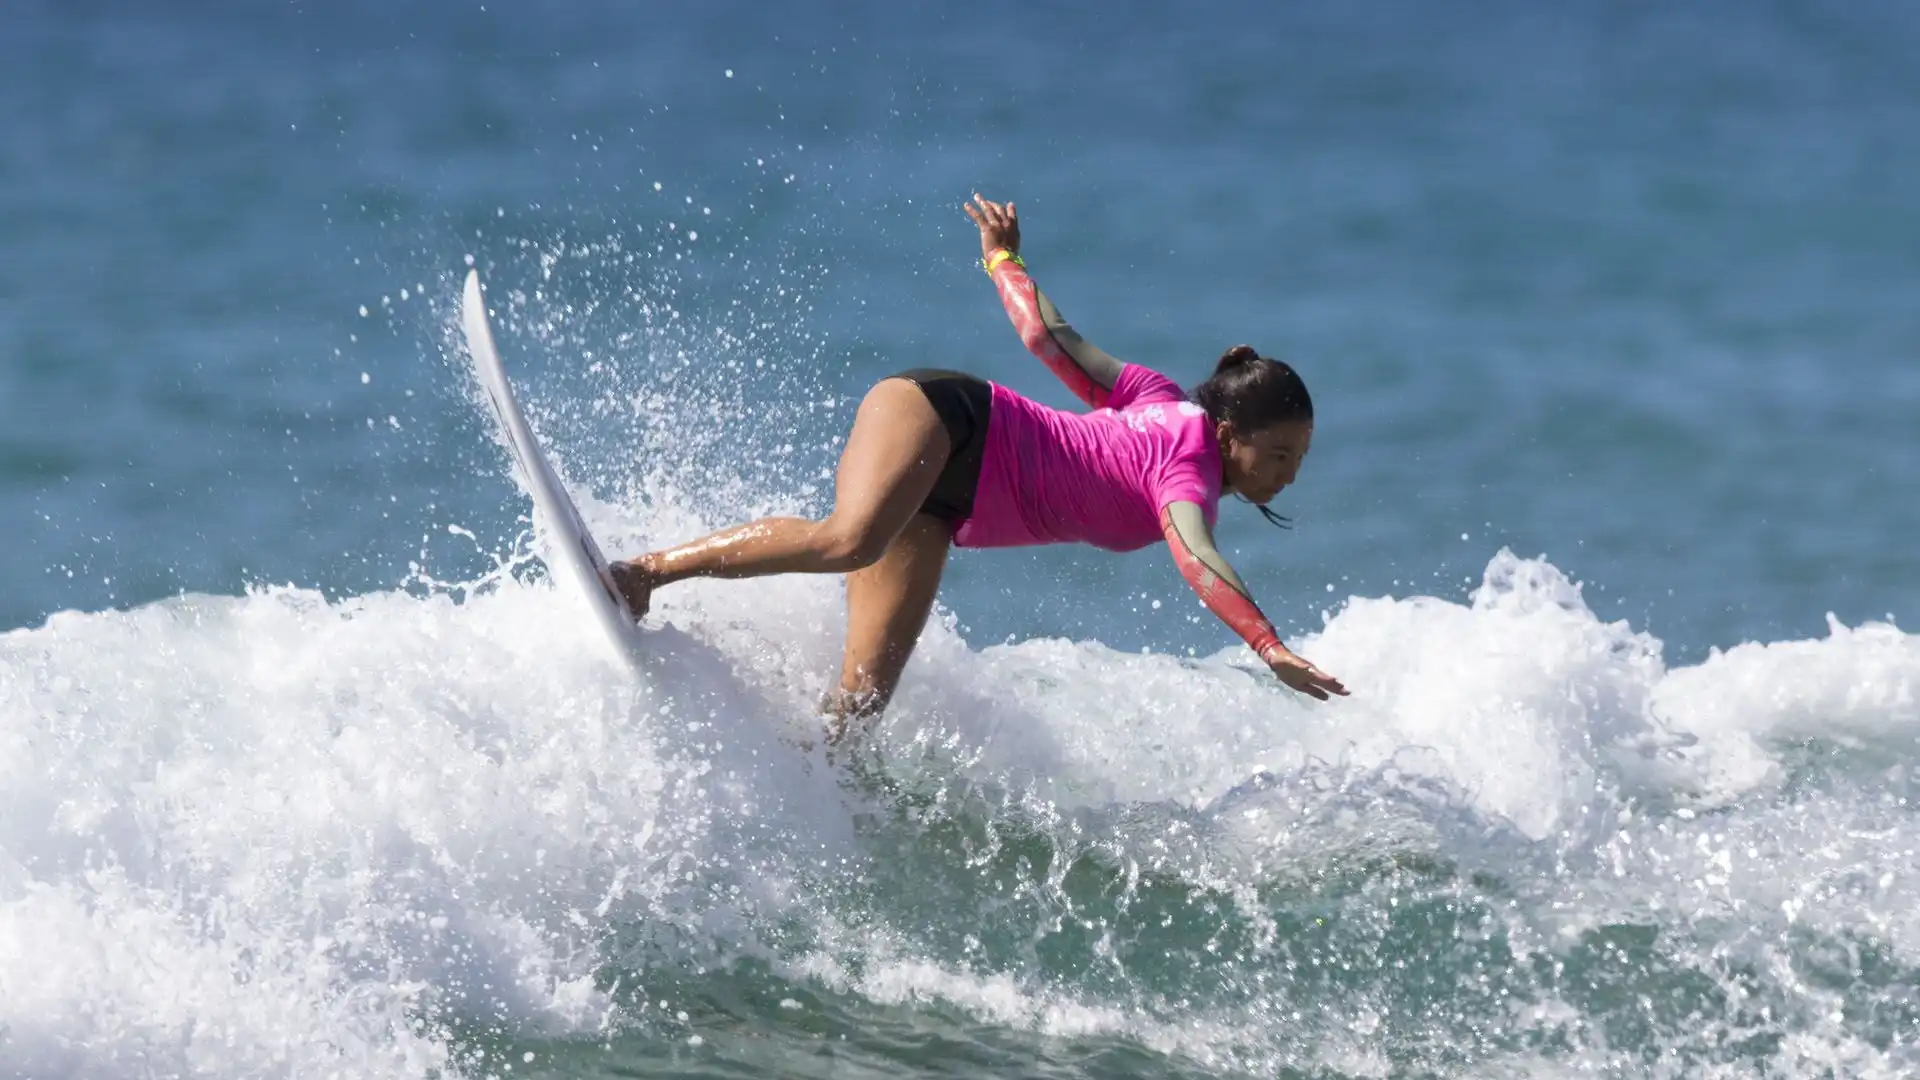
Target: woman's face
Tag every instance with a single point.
(1262, 463)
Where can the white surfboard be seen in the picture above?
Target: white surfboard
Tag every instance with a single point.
(573, 554)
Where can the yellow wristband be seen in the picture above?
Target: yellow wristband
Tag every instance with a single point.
(1003, 255)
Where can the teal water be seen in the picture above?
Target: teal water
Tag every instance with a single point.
(306, 769)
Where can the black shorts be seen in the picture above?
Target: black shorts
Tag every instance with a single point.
(963, 403)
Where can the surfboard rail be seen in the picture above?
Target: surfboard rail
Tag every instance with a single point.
(568, 541)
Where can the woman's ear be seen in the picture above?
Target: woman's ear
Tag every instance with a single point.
(1223, 432)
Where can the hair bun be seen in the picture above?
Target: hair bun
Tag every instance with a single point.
(1237, 357)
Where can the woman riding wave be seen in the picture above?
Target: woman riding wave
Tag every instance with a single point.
(939, 458)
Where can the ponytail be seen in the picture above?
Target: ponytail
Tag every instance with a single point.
(1251, 392)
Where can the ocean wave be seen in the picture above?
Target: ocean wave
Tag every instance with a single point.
(275, 833)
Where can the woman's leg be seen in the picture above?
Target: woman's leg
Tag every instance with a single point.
(893, 456)
(887, 606)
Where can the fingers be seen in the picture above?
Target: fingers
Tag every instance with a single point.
(1311, 681)
(1328, 682)
(1311, 689)
(999, 228)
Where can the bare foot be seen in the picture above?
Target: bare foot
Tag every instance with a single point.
(636, 583)
(849, 714)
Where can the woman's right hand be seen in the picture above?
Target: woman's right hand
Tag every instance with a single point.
(1297, 673)
(999, 227)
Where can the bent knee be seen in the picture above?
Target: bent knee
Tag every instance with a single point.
(852, 545)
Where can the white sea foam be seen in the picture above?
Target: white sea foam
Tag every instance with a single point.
(276, 835)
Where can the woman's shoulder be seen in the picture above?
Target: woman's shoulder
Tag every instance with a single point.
(1139, 384)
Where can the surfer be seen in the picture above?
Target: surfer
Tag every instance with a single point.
(938, 459)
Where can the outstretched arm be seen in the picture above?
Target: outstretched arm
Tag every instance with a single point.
(1222, 591)
(1087, 371)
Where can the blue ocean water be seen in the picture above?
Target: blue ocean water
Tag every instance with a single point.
(305, 767)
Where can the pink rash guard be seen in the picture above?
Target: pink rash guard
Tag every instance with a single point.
(1107, 477)
(1048, 476)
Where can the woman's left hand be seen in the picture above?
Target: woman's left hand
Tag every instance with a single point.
(999, 227)
(1297, 673)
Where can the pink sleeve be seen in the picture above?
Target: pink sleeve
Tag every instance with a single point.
(1185, 480)
(1139, 385)
(1228, 604)
(1192, 471)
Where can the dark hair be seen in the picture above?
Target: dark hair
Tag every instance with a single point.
(1251, 392)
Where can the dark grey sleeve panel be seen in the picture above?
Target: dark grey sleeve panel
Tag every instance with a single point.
(1191, 527)
(1099, 366)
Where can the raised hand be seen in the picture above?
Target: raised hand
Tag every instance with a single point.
(999, 226)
